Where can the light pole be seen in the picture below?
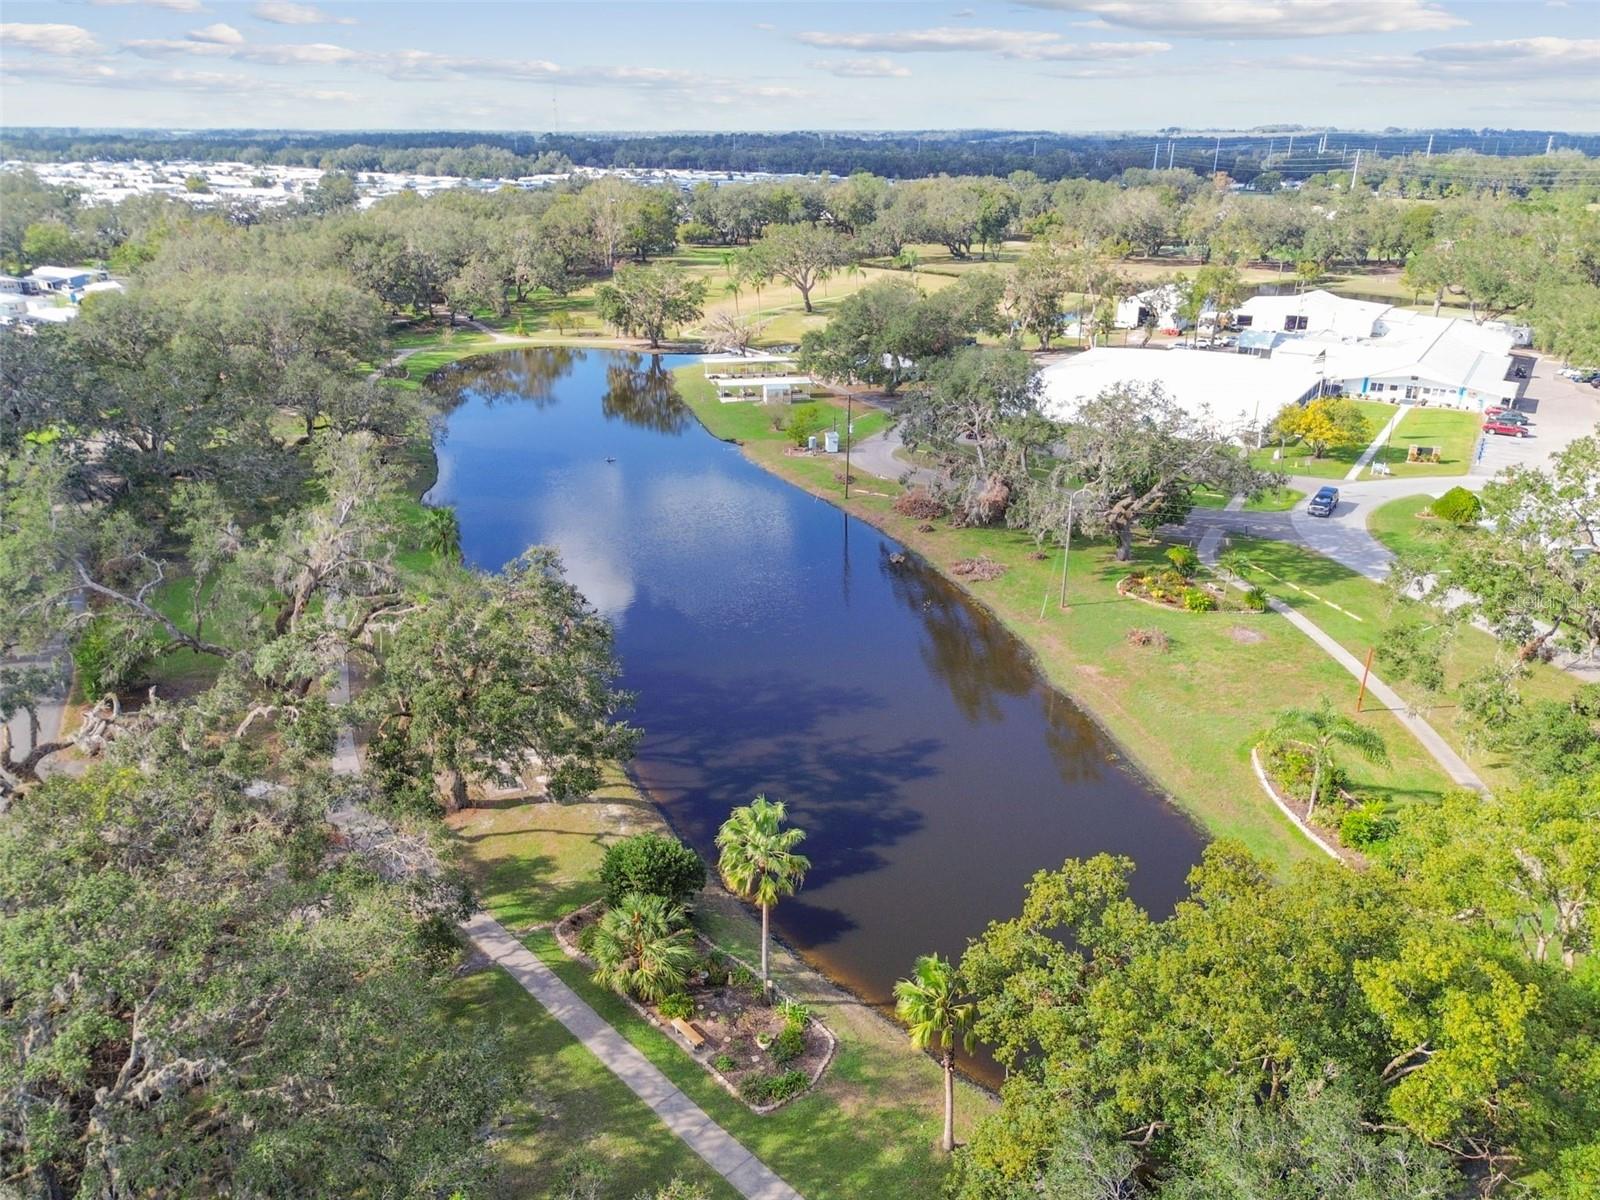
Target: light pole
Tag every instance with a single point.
(1066, 547)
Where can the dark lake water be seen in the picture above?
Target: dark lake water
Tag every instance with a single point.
(775, 648)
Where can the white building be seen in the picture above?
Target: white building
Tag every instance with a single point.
(1162, 303)
(763, 377)
(1238, 393)
(1362, 348)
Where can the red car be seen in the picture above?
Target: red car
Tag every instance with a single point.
(1506, 429)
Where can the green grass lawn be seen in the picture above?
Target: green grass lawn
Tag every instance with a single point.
(1405, 527)
(1275, 500)
(1354, 610)
(1454, 433)
(1336, 463)
(571, 1108)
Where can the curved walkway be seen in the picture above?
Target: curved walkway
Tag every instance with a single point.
(746, 1173)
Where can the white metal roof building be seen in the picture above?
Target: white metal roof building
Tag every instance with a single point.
(1311, 313)
(1241, 394)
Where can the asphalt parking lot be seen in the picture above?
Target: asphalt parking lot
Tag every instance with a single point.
(1560, 409)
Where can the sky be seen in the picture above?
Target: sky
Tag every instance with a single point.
(591, 65)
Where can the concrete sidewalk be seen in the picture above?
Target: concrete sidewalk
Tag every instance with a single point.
(748, 1174)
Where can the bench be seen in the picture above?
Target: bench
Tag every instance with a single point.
(689, 1033)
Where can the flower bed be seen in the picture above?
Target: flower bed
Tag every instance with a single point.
(1170, 589)
(765, 1054)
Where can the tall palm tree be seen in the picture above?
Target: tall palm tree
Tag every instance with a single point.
(642, 947)
(758, 862)
(929, 1003)
(1317, 731)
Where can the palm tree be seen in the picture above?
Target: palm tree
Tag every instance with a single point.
(758, 862)
(441, 532)
(929, 1004)
(1317, 731)
(907, 260)
(642, 948)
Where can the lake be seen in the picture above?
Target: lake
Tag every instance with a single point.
(776, 647)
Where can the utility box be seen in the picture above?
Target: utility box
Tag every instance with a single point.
(811, 442)
(830, 441)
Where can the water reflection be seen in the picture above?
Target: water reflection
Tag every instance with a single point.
(775, 646)
(509, 377)
(639, 390)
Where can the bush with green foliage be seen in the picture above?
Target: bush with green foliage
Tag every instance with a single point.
(1255, 600)
(769, 1089)
(789, 1045)
(1458, 506)
(1366, 825)
(1198, 600)
(805, 421)
(110, 657)
(641, 948)
(794, 1013)
(652, 864)
(725, 1063)
(1292, 767)
(1184, 560)
(676, 1007)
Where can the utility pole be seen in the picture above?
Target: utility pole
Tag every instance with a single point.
(849, 425)
(1155, 157)
(1291, 146)
(1169, 154)
(1353, 171)
(1549, 145)
(1216, 156)
(1429, 153)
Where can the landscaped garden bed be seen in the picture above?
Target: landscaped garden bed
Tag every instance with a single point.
(1179, 587)
(764, 1053)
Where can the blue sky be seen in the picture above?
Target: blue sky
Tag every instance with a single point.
(659, 65)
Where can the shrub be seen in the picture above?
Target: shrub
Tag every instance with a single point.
(741, 977)
(109, 658)
(725, 1063)
(1198, 600)
(1366, 825)
(1292, 768)
(676, 1007)
(919, 503)
(697, 233)
(794, 1013)
(1255, 600)
(805, 421)
(1154, 639)
(641, 949)
(1184, 560)
(1458, 506)
(586, 939)
(652, 864)
(790, 1045)
(767, 1089)
(715, 965)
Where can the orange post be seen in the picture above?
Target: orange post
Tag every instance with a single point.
(1365, 671)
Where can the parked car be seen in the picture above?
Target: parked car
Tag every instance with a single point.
(1507, 416)
(1324, 502)
(1577, 374)
(1505, 428)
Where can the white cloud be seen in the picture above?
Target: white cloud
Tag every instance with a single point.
(171, 5)
(1536, 54)
(320, 54)
(864, 68)
(1028, 45)
(100, 74)
(65, 40)
(220, 33)
(282, 12)
(1519, 62)
(1266, 18)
